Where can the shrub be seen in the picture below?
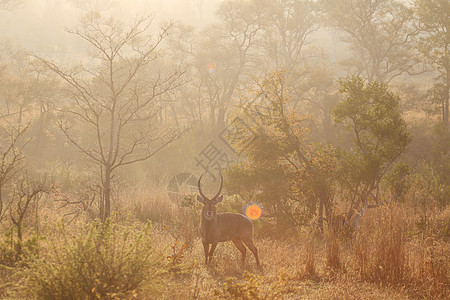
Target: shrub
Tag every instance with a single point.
(14, 252)
(107, 261)
(251, 286)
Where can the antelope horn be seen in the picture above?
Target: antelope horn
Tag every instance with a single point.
(200, 189)
(220, 189)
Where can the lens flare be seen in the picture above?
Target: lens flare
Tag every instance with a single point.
(211, 67)
(253, 211)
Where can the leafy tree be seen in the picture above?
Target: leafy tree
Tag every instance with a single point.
(227, 52)
(114, 99)
(381, 35)
(434, 44)
(287, 30)
(290, 176)
(371, 114)
(435, 172)
(288, 36)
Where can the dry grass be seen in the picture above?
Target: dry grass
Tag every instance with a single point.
(333, 252)
(395, 254)
(380, 245)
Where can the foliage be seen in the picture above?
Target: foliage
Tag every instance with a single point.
(14, 252)
(371, 113)
(434, 18)
(250, 287)
(429, 189)
(434, 44)
(119, 103)
(105, 261)
(380, 34)
(281, 170)
(399, 181)
(432, 178)
(175, 260)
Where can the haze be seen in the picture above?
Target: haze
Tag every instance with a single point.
(224, 149)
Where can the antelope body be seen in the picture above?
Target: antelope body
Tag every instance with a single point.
(220, 227)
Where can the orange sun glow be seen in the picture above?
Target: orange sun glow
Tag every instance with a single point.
(253, 211)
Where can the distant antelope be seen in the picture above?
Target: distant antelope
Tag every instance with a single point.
(222, 227)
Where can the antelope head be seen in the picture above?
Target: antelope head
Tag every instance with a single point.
(209, 205)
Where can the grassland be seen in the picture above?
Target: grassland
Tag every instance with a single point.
(398, 252)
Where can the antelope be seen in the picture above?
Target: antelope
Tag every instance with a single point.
(221, 227)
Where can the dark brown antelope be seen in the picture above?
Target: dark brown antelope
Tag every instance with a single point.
(221, 227)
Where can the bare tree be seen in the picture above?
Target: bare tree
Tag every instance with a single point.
(220, 56)
(114, 100)
(11, 160)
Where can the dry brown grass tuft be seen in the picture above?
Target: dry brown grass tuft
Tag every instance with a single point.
(429, 252)
(144, 203)
(310, 269)
(380, 245)
(333, 252)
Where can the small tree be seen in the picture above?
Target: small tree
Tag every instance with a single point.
(290, 176)
(371, 114)
(24, 192)
(114, 100)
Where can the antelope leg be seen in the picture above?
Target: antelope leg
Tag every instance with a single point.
(211, 251)
(206, 248)
(238, 243)
(249, 244)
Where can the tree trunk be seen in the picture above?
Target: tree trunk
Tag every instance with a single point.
(107, 195)
(320, 221)
(19, 240)
(1, 203)
(446, 100)
(221, 118)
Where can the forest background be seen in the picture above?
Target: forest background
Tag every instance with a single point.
(331, 116)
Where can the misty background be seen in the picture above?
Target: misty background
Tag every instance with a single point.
(102, 96)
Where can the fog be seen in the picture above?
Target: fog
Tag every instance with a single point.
(40, 25)
(319, 123)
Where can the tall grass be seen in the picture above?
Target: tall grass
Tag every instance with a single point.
(396, 252)
(388, 249)
(333, 252)
(380, 245)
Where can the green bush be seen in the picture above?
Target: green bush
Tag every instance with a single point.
(106, 261)
(14, 252)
